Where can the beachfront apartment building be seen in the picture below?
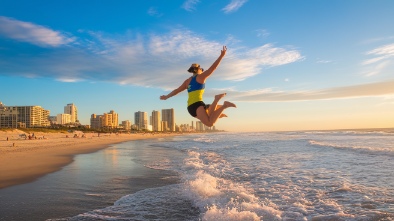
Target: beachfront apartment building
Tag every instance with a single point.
(72, 110)
(95, 121)
(141, 120)
(200, 126)
(63, 119)
(184, 128)
(107, 120)
(164, 126)
(23, 116)
(168, 115)
(111, 119)
(156, 121)
(126, 124)
(8, 117)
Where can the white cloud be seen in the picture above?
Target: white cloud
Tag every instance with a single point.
(373, 60)
(382, 89)
(152, 11)
(32, 33)
(153, 60)
(383, 50)
(382, 59)
(377, 69)
(233, 6)
(68, 80)
(244, 64)
(262, 33)
(387, 101)
(189, 5)
(321, 61)
(175, 50)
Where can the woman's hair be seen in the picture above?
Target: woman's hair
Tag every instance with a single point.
(194, 68)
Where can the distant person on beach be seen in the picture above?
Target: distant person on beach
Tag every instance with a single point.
(195, 85)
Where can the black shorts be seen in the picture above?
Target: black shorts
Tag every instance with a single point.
(193, 107)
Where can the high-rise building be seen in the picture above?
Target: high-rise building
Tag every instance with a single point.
(95, 121)
(8, 117)
(126, 124)
(63, 119)
(156, 121)
(2, 106)
(141, 120)
(23, 116)
(184, 128)
(72, 110)
(110, 119)
(107, 120)
(164, 126)
(169, 116)
(200, 126)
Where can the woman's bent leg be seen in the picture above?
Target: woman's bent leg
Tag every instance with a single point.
(214, 104)
(210, 120)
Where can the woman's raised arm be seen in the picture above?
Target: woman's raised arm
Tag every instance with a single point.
(203, 76)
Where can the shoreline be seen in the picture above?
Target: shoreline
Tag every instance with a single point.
(23, 161)
(91, 182)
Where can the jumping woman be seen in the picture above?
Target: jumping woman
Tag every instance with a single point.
(207, 114)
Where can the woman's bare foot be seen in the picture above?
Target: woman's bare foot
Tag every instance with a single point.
(219, 96)
(227, 104)
(222, 115)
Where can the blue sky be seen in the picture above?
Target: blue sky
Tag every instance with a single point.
(290, 65)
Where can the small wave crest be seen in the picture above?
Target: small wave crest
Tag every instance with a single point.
(162, 203)
(219, 198)
(366, 149)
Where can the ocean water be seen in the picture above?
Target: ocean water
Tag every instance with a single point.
(335, 175)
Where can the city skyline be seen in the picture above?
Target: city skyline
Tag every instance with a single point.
(95, 118)
(290, 65)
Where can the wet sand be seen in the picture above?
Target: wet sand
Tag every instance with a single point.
(92, 181)
(23, 160)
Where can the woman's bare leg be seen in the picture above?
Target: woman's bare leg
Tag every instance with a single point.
(210, 120)
(214, 104)
(222, 115)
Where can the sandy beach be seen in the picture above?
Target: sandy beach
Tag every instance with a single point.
(24, 160)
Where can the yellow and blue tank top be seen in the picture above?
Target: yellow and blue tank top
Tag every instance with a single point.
(195, 90)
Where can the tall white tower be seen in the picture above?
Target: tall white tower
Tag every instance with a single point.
(141, 120)
(72, 110)
(156, 121)
(169, 116)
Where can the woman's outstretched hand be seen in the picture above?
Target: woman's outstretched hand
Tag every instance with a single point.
(224, 50)
(163, 97)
